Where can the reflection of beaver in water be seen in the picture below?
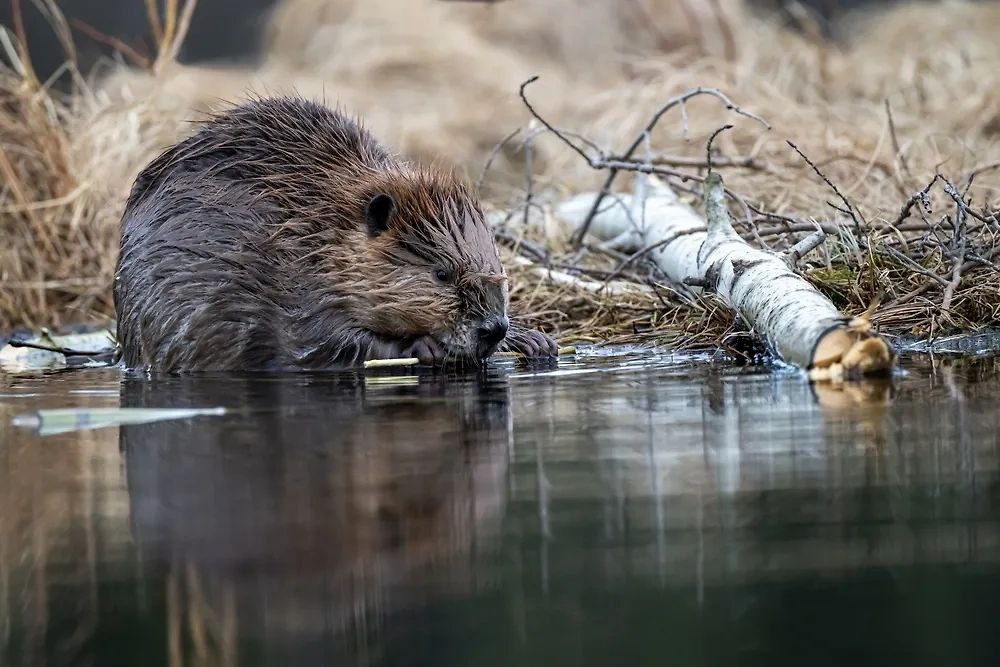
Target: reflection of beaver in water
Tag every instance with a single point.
(319, 513)
(282, 236)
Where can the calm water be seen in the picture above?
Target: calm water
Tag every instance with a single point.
(623, 510)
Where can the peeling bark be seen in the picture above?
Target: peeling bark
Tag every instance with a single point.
(798, 323)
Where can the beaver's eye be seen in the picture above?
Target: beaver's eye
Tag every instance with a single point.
(443, 275)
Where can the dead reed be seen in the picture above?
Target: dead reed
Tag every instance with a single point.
(67, 160)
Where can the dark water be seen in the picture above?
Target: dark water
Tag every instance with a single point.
(619, 511)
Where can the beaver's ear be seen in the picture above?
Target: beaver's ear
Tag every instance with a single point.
(377, 214)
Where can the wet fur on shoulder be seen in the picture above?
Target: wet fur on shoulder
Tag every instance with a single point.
(282, 235)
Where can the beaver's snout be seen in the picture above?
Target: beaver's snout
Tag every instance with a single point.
(490, 333)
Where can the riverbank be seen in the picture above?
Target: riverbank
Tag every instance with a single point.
(903, 143)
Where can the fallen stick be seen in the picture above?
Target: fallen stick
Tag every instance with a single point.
(804, 247)
(386, 363)
(798, 323)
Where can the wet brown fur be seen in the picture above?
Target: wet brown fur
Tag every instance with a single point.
(247, 246)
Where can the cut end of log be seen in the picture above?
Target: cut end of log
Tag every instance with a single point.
(850, 351)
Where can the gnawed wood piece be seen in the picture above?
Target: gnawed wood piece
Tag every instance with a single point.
(799, 324)
(390, 363)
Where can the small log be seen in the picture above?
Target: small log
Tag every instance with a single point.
(799, 324)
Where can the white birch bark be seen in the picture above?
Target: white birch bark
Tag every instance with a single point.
(799, 324)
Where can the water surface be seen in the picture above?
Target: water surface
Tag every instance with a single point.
(623, 509)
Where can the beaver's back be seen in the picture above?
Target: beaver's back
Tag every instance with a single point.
(206, 274)
(288, 147)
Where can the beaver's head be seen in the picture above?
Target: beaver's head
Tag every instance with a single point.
(432, 265)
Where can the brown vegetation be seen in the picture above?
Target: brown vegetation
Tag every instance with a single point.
(880, 116)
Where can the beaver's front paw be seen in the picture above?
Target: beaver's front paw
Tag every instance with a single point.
(426, 349)
(530, 343)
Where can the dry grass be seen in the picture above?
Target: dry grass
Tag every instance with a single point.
(439, 81)
(67, 162)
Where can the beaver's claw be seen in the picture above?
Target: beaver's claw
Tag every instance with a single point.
(426, 349)
(530, 343)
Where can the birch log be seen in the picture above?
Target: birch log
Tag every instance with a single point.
(798, 323)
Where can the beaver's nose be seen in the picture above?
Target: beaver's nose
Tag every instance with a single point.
(493, 329)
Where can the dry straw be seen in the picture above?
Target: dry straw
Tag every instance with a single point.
(896, 127)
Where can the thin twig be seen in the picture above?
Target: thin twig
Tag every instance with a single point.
(849, 209)
(959, 200)
(708, 145)
(919, 196)
(522, 246)
(492, 156)
(912, 265)
(645, 168)
(835, 227)
(804, 247)
(959, 242)
(69, 352)
(788, 221)
(982, 260)
(613, 171)
(551, 128)
(744, 162)
(895, 140)
(979, 170)
(603, 274)
(603, 249)
(529, 175)
(648, 249)
(927, 285)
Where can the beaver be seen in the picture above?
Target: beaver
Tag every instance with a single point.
(282, 235)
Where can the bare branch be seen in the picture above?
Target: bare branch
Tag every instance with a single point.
(708, 145)
(804, 247)
(848, 208)
(602, 162)
(919, 196)
(493, 156)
